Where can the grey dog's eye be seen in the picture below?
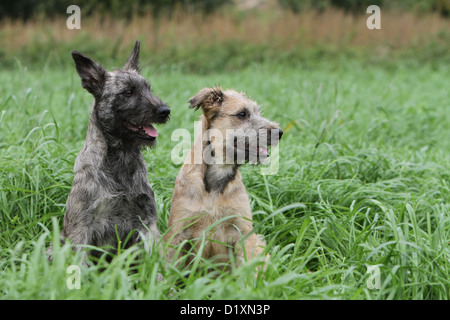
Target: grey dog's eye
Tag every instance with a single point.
(128, 93)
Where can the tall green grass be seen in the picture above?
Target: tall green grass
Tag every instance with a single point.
(363, 181)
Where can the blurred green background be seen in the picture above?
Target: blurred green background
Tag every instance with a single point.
(203, 36)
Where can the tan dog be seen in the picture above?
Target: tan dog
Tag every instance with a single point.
(209, 199)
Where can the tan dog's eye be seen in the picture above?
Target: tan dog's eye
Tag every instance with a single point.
(242, 115)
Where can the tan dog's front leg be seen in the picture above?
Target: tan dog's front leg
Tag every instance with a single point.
(254, 247)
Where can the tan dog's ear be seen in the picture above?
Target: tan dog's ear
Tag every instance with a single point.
(209, 99)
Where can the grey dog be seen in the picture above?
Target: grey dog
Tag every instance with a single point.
(111, 199)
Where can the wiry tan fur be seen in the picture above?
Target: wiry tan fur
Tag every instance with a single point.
(219, 213)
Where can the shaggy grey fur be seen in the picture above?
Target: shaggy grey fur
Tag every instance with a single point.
(111, 197)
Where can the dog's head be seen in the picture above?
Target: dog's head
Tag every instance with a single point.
(236, 129)
(125, 106)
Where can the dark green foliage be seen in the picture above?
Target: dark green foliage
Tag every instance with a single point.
(360, 6)
(25, 9)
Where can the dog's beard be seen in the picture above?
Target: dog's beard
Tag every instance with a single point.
(143, 132)
(143, 135)
(255, 155)
(246, 150)
(126, 137)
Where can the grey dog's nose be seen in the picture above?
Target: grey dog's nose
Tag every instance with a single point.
(163, 111)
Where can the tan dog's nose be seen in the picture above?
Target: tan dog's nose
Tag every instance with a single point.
(280, 134)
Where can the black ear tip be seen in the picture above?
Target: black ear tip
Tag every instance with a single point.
(78, 56)
(137, 45)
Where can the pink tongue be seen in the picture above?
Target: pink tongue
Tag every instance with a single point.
(151, 131)
(263, 150)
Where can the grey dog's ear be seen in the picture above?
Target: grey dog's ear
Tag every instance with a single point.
(92, 74)
(207, 97)
(133, 60)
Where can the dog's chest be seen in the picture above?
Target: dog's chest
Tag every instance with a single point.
(222, 230)
(127, 207)
(119, 215)
(223, 223)
(120, 196)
